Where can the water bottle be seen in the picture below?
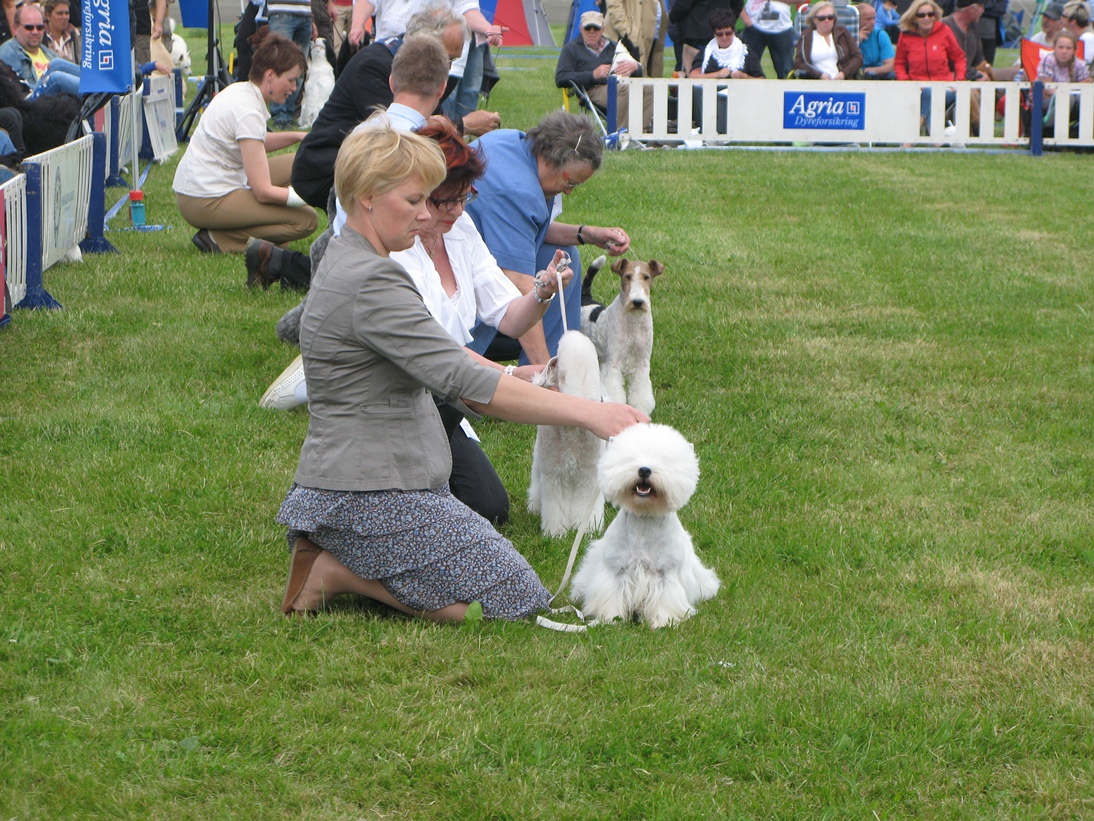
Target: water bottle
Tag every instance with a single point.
(136, 207)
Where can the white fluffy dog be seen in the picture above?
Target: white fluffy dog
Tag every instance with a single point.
(644, 567)
(564, 461)
(180, 51)
(318, 85)
(623, 331)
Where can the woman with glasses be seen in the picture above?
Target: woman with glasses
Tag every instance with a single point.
(928, 51)
(726, 56)
(225, 185)
(827, 50)
(516, 212)
(369, 511)
(461, 285)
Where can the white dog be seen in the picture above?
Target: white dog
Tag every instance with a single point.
(318, 85)
(563, 488)
(644, 567)
(623, 331)
(180, 51)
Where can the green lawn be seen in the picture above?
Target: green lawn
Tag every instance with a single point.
(885, 362)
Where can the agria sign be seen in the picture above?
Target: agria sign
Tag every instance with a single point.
(824, 110)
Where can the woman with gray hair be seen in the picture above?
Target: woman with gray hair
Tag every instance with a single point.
(520, 197)
(826, 50)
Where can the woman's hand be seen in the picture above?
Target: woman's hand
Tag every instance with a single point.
(611, 419)
(549, 280)
(528, 372)
(613, 240)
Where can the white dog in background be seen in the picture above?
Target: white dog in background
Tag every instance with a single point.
(179, 53)
(563, 489)
(318, 85)
(623, 331)
(644, 567)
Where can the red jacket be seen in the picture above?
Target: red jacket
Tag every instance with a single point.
(934, 57)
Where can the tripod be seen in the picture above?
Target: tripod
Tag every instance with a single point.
(216, 79)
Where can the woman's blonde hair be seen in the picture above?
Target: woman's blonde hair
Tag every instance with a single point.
(816, 8)
(375, 160)
(907, 19)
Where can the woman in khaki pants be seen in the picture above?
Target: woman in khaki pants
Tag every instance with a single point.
(225, 185)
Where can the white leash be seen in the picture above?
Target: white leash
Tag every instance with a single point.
(564, 263)
(569, 608)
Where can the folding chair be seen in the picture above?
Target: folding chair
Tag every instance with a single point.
(572, 90)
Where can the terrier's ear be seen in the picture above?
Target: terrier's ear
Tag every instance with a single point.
(656, 268)
(620, 266)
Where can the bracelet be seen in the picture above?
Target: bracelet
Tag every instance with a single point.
(580, 239)
(537, 282)
(510, 370)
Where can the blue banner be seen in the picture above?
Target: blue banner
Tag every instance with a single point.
(827, 110)
(195, 13)
(107, 61)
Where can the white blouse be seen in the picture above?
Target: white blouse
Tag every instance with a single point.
(483, 291)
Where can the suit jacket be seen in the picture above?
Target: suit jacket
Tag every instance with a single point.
(359, 90)
(372, 356)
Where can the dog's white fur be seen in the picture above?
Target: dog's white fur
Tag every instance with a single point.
(645, 567)
(564, 461)
(180, 51)
(318, 85)
(623, 331)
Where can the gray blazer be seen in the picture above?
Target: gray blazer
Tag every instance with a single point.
(372, 356)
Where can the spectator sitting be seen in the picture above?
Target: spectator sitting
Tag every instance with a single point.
(963, 24)
(826, 50)
(588, 60)
(519, 197)
(878, 54)
(888, 17)
(1077, 19)
(1062, 66)
(225, 185)
(1052, 21)
(726, 56)
(61, 37)
(40, 70)
(928, 51)
(692, 21)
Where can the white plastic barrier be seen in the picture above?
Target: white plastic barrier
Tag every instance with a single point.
(159, 116)
(64, 176)
(15, 233)
(863, 112)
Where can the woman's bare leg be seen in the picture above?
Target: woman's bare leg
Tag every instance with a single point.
(330, 578)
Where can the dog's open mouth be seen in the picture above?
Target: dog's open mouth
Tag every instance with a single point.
(643, 490)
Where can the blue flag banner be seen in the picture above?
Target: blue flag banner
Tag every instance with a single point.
(195, 13)
(107, 61)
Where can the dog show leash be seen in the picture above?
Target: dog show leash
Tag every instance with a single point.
(569, 608)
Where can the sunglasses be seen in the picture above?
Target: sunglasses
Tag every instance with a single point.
(924, 14)
(453, 202)
(30, 27)
(821, 17)
(592, 28)
(726, 33)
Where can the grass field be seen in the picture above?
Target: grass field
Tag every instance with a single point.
(885, 362)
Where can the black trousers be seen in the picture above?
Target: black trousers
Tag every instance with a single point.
(474, 480)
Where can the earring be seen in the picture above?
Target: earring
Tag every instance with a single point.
(368, 208)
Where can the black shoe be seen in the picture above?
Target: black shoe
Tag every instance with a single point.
(257, 258)
(204, 242)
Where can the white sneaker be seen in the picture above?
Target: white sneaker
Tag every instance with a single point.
(281, 395)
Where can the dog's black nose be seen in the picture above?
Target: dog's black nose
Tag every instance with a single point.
(644, 473)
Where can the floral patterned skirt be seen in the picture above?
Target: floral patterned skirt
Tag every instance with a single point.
(424, 546)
